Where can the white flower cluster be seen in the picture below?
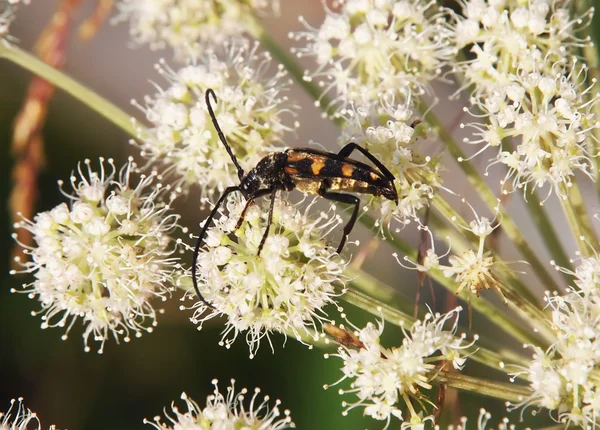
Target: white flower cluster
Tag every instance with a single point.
(227, 412)
(251, 112)
(553, 117)
(105, 257)
(369, 47)
(187, 26)
(509, 37)
(381, 377)
(285, 289)
(565, 377)
(386, 133)
(18, 417)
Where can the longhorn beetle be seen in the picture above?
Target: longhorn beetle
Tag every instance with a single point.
(307, 170)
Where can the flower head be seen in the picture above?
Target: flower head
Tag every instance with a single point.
(382, 377)
(386, 131)
(472, 270)
(18, 417)
(251, 110)
(188, 25)
(227, 412)
(369, 47)
(509, 38)
(104, 257)
(284, 289)
(552, 117)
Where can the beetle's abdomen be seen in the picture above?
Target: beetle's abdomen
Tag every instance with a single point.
(309, 168)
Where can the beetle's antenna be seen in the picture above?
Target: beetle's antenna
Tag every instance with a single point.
(210, 92)
(207, 223)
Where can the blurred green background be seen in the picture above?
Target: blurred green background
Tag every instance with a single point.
(129, 382)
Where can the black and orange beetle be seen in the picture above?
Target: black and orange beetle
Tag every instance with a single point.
(307, 170)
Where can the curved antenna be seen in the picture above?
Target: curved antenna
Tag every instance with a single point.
(209, 93)
(207, 223)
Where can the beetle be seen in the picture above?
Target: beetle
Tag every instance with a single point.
(308, 170)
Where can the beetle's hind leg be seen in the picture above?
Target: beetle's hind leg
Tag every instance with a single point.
(351, 146)
(342, 198)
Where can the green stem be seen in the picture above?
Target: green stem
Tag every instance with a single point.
(70, 86)
(488, 197)
(579, 220)
(555, 248)
(500, 390)
(270, 44)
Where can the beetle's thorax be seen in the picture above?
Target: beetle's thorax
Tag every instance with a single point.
(267, 174)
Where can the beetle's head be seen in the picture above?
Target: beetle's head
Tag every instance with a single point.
(250, 184)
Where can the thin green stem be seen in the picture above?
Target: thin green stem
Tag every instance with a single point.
(70, 86)
(555, 247)
(500, 390)
(578, 219)
(486, 194)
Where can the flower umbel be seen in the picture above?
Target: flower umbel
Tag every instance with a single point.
(251, 110)
(188, 25)
(105, 257)
(227, 412)
(285, 289)
(382, 377)
(368, 48)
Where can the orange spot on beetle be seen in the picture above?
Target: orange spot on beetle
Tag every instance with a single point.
(347, 170)
(317, 165)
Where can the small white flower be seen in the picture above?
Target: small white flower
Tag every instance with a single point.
(382, 378)
(368, 47)
(18, 417)
(251, 110)
(188, 25)
(100, 265)
(226, 412)
(284, 289)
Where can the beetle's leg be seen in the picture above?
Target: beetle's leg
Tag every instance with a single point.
(207, 223)
(342, 198)
(258, 194)
(351, 146)
(269, 222)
